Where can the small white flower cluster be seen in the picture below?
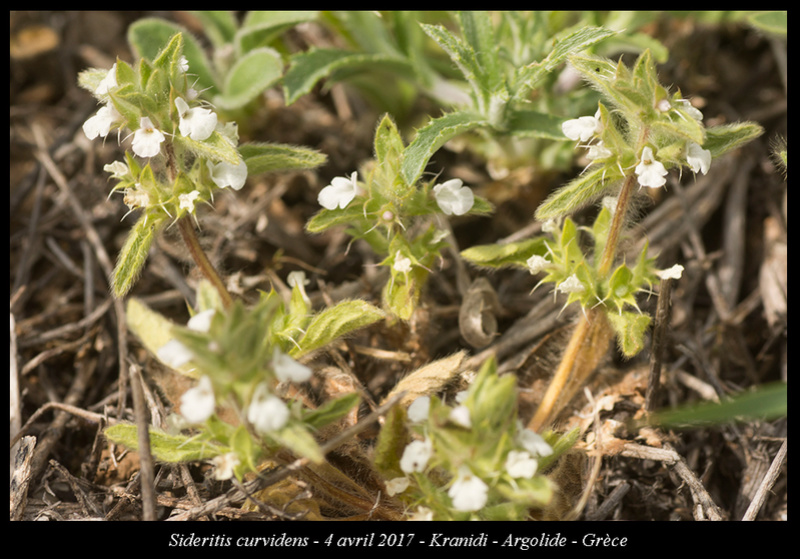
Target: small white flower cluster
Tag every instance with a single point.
(197, 123)
(266, 411)
(467, 491)
(649, 171)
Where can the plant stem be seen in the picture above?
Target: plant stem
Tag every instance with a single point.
(591, 337)
(198, 254)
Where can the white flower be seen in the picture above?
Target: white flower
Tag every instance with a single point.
(650, 171)
(520, 463)
(583, 128)
(401, 264)
(197, 123)
(460, 416)
(107, 83)
(671, 273)
(533, 442)
(599, 151)
(339, 193)
(187, 200)
(418, 410)
(224, 465)
(537, 263)
(183, 64)
(416, 456)
(136, 198)
(287, 369)
(197, 403)
(397, 485)
(699, 159)
(453, 198)
(201, 322)
(174, 353)
(118, 169)
(224, 174)
(101, 122)
(571, 285)
(147, 139)
(267, 412)
(468, 492)
(550, 226)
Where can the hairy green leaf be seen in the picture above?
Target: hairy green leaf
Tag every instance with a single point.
(335, 322)
(501, 256)
(434, 135)
(250, 75)
(266, 158)
(166, 447)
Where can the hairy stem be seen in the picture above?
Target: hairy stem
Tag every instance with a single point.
(198, 254)
(592, 335)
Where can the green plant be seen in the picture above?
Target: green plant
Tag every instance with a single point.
(397, 218)
(639, 131)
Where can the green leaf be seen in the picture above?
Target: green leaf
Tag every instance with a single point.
(307, 68)
(335, 322)
(577, 193)
(331, 411)
(392, 440)
(219, 25)
(477, 30)
(216, 148)
(573, 43)
(166, 447)
(727, 137)
(764, 403)
(266, 158)
(133, 254)
(296, 438)
(434, 135)
(630, 328)
(464, 58)
(325, 218)
(148, 36)
(260, 28)
(253, 73)
(388, 142)
(776, 22)
(501, 256)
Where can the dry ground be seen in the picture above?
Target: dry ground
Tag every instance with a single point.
(728, 329)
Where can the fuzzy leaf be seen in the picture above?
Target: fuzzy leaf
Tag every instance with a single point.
(166, 447)
(501, 256)
(434, 135)
(253, 73)
(307, 68)
(724, 138)
(216, 148)
(335, 322)
(261, 27)
(133, 254)
(331, 411)
(266, 158)
(630, 328)
(577, 193)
